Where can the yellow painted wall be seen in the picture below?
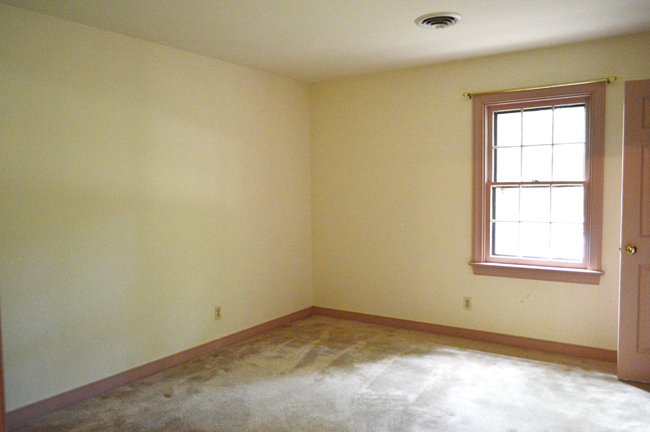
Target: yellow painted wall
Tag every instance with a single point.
(392, 195)
(140, 186)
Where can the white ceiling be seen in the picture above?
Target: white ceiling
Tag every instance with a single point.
(315, 40)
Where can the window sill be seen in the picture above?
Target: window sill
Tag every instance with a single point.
(554, 274)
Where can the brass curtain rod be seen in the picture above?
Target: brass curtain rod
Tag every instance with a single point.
(608, 80)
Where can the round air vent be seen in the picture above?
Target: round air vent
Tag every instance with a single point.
(438, 20)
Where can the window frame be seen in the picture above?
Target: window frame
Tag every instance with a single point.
(484, 106)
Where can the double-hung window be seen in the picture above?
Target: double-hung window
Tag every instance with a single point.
(538, 183)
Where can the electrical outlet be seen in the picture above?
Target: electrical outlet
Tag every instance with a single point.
(217, 312)
(467, 303)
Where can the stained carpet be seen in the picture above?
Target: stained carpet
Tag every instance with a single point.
(323, 374)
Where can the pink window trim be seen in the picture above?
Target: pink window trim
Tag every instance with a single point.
(482, 264)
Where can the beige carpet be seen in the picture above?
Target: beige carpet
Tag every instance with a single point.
(322, 374)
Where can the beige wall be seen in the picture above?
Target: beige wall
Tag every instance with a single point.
(391, 195)
(140, 186)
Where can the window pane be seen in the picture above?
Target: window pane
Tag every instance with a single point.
(535, 203)
(537, 163)
(569, 125)
(538, 126)
(507, 126)
(505, 203)
(507, 164)
(505, 238)
(534, 240)
(568, 203)
(567, 241)
(569, 162)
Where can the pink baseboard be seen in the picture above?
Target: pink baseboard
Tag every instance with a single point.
(37, 409)
(483, 336)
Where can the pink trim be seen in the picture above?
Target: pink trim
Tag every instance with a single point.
(593, 95)
(483, 336)
(96, 388)
(553, 274)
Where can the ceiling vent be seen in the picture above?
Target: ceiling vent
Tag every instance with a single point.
(438, 20)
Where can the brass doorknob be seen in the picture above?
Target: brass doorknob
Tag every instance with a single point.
(630, 249)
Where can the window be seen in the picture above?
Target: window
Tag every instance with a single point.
(538, 183)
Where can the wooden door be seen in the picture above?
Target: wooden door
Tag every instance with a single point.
(634, 321)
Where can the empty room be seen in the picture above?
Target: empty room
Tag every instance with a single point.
(286, 215)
